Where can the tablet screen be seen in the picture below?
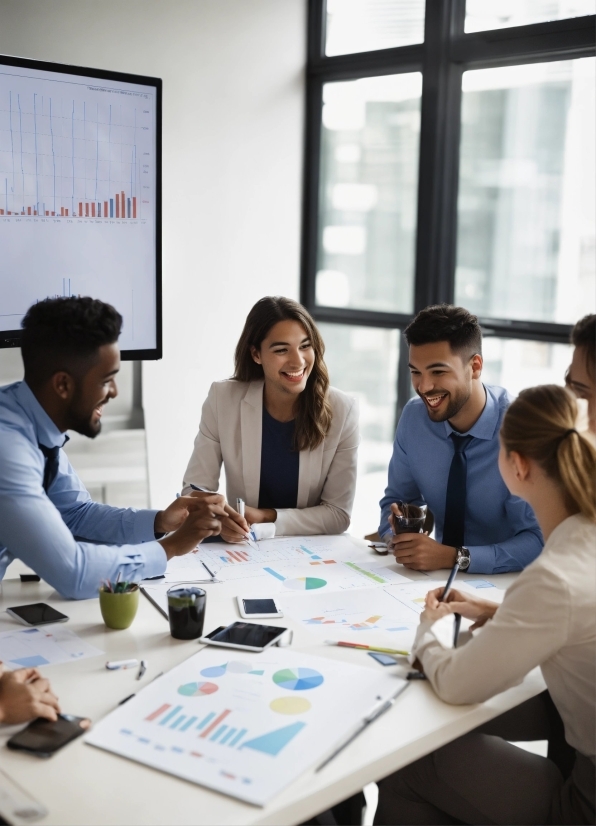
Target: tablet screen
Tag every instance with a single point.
(248, 633)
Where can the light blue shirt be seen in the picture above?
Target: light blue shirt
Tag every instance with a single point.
(501, 531)
(55, 534)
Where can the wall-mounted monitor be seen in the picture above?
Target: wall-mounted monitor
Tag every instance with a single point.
(80, 195)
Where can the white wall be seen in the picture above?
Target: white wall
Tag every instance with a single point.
(232, 153)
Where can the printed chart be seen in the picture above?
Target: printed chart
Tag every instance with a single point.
(244, 727)
(315, 551)
(34, 647)
(383, 616)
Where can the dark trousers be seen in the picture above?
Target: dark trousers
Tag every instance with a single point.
(481, 778)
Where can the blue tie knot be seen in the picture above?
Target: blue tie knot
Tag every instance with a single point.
(460, 443)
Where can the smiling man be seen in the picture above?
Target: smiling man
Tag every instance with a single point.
(445, 455)
(47, 518)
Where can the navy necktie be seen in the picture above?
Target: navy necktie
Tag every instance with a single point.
(455, 501)
(52, 456)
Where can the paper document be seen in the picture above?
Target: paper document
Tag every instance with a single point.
(33, 647)
(219, 556)
(243, 724)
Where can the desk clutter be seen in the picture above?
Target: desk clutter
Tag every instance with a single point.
(247, 724)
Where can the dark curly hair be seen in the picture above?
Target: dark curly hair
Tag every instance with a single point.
(444, 322)
(313, 413)
(65, 334)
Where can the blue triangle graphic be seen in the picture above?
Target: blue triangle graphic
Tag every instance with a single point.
(274, 741)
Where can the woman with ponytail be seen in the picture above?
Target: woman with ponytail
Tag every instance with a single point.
(286, 438)
(547, 619)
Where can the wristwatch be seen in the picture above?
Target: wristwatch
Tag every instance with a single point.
(463, 558)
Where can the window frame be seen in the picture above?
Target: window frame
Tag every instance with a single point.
(446, 53)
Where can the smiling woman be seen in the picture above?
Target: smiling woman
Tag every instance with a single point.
(288, 441)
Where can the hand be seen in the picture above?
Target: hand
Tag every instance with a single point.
(234, 527)
(254, 516)
(25, 695)
(458, 602)
(421, 553)
(174, 515)
(202, 521)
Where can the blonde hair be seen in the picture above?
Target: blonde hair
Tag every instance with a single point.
(540, 424)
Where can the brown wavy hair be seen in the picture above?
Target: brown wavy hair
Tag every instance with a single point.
(313, 410)
(540, 424)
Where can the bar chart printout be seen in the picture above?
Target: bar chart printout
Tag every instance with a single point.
(248, 728)
(78, 171)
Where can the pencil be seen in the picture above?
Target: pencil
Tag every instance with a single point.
(367, 647)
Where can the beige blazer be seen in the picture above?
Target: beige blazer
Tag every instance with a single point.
(230, 432)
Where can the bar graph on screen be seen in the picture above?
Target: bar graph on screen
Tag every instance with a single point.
(72, 157)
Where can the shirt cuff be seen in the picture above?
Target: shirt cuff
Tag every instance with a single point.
(155, 560)
(482, 559)
(144, 526)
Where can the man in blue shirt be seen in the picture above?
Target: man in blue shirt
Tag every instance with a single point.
(455, 413)
(47, 519)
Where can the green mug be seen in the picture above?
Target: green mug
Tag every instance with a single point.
(118, 610)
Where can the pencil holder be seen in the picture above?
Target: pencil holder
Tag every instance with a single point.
(118, 610)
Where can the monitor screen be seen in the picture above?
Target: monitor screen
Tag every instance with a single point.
(80, 195)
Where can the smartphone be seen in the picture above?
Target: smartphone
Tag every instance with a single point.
(258, 608)
(38, 613)
(43, 737)
(248, 636)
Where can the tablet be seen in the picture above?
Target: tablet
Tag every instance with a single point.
(249, 636)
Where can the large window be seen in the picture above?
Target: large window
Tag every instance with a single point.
(450, 156)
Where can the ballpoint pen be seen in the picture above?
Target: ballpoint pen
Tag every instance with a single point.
(211, 574)
(370, 718)
(240, 507)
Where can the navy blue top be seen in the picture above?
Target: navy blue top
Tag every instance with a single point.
(280, 464)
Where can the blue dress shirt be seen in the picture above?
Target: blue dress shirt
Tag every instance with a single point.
(501, 531)
(55, 534)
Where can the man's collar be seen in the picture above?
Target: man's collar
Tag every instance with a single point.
(486, 424)
(46, 431)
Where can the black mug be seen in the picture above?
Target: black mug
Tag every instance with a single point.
(186, 610)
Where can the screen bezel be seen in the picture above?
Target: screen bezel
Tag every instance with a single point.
(274, 613)
(274, 632)
(25, 612)
(12, 338)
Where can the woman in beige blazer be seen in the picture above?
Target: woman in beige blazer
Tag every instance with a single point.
(287, 440)
(546, 619)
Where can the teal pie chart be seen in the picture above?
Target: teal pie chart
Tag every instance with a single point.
(298, 679)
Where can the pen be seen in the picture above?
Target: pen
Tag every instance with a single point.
(202, 490)
(240, 506)
(114, 665)
(367, 647)
(142, 669)
(445, 593)
(211, 574)
(370, 718)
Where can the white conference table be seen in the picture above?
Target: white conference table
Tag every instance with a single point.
(84, 785)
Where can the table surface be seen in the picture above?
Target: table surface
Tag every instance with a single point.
(84, 785)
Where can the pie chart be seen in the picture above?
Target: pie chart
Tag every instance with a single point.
(197, 689)
(305, 583)
(290, 705)
(297, 679)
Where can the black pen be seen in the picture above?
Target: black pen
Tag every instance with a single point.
(447, 588)
(211, 574)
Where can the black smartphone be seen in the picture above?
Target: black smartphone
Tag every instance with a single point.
(38, 613)
(43, 737)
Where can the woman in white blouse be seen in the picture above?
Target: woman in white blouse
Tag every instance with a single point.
(547, 619)
(287, 440)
